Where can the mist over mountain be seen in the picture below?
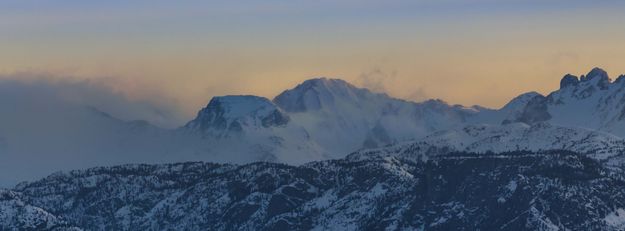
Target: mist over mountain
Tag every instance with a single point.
(316, 120)
(322, 155)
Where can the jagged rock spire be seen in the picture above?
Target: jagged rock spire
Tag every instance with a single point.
(569, 80)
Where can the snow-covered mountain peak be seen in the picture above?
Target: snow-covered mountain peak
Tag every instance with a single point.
(237, 106)
(596, 84)
(520, 101)
(597, 74)
(234, 112)
(326, 82)
(323, 93)
(436, 103)
(596, 79)
(592, 102)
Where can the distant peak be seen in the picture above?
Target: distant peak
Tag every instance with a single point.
(435, 102)
(521, 101)
(569, 80)
(325, 82)
(526, 96)
(317, 93)
(619, 79)
(239, 99)
(234, 106)
(596, 73)
(232, 111)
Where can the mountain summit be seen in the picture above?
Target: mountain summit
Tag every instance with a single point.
(596, 73)
(322, 93)
(592, 101)
(233, 113)
(342, 117)
(569, 80)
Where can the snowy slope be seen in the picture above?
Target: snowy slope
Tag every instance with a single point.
(229, 115)
(593, 101)
(536, 137)
(508, 138)
(243, 129)
(509, 113)
(527, 191)
(15, 214)
(342, 118)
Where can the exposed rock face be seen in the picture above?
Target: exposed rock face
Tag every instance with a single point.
(599, 76)
(232, 113)
(569, 80)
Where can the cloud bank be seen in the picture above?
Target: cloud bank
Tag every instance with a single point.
(39, 90)
(52, 124)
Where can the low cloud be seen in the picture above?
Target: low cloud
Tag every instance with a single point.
(418, 95)
(376, 80)
(381, 81)
(34, 89)
(50, 124)
(563, 58)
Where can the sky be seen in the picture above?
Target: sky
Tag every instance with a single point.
(178, 54)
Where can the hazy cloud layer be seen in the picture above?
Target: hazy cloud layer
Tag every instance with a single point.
(55, 124)
(33, 89)
(381, 81)
(376, 80)
(418, 95)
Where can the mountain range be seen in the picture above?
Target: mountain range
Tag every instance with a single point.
(387, 189)
(327, 155)
(316, 120)
(331, 117)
